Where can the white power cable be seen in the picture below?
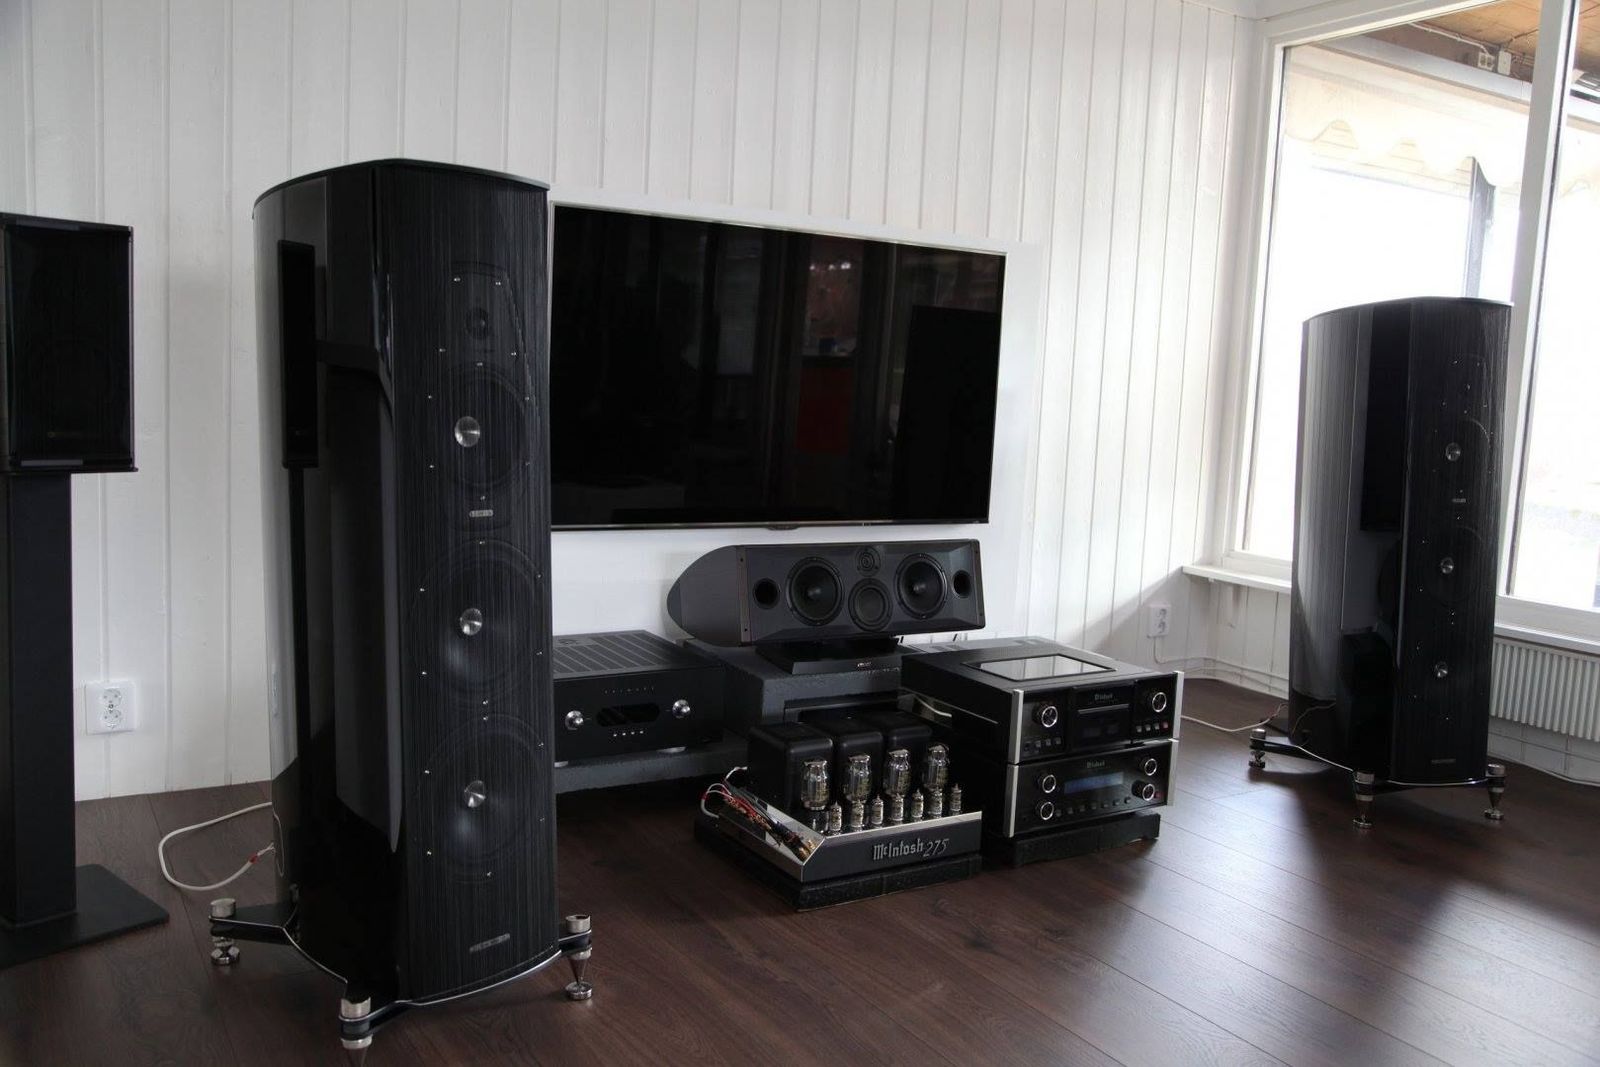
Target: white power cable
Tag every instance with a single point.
(1234, 729)
(161, 850)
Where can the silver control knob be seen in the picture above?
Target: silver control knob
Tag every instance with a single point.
(1046, 810)
(1149, 766)
(574, 719)
(1144, 791)
(681, 709)
(1047, 716)
(1046, 782)
(1158, 701)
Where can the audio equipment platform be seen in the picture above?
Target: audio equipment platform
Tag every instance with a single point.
(813, 866)
(631, 691)
(1030, 698)
(1076, 839)
(1397, 528)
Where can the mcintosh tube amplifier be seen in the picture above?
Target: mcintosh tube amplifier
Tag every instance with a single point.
(1053, 738)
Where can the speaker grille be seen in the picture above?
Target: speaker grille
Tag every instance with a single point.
(477, 796)
(472, 622)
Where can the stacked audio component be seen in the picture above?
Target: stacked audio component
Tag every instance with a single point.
(1065, 750)
(844, 808)
(403, 337)
(66, 407)
(1397, 522)
(631, 691)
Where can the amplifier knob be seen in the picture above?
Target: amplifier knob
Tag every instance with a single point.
(1158, 701)
(1149, 766)
(1046, 810)
(574, 719)
(1047, 716)
(1144, 791)
(681, 709)
(1047, 783)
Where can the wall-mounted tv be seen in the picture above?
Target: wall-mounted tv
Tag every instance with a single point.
(708, 374)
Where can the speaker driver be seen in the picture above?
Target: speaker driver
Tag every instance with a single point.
(472, 618)
(814, 591)
(477, 794)
(475, 429)
(921, 586)
(870, 606)
(1451, 565)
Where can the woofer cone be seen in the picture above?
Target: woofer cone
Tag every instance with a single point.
(475, 429)
(814, 591)
(472, 621)
(870, 605)
(477, 797)
(920, 585)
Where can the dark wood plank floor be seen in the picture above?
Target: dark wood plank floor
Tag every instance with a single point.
(1260, 928)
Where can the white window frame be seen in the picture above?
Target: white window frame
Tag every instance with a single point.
(1547, 108)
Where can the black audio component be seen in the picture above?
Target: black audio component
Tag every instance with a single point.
(852, 738)
(902, 731)
(632, 691)
(1073, 839)
(1033, 698)
(1022, 798)
(821, 593)
(1397, 533)
(66, 345)
(403, 344)
(790, 766)
(66, 407)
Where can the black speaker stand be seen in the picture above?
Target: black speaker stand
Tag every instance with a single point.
(833, 657)
(363, 1011)
(47, 904)
(1366, 785)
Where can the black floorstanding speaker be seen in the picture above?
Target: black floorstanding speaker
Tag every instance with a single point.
(402, 311)
(66, 407)
(1396, 553)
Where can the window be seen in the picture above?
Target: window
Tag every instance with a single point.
(1398, 163)
(1398, 174)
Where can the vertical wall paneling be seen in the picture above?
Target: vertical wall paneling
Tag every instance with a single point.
(1066, 211)
(716, 71)
(794, 116)
(869, 159)
(372, 93)
(908, 101)
(625, 128)
(259, 67)
(941, 119)
(832, 113)
(981, 115)
(1128, 629)
(580, 81)
(318, 88)
(197, 383)
(428, 85)
(671, 97)
(531, 92)
(481, 84)
(1102, 137)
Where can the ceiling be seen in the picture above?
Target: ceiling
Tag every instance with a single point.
(1514, 24)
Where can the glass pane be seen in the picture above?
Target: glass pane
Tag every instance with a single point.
(1557, 558)
(1399, 173)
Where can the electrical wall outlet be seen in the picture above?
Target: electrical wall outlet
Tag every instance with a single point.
(1160, 620)
(110, 707)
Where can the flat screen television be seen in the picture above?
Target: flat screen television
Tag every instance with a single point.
(708, 374)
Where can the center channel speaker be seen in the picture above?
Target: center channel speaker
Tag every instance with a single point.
(771, 594)
(402, 315)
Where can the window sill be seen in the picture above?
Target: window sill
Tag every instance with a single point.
(1232, 576)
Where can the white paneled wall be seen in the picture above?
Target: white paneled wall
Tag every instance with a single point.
(1100, 134)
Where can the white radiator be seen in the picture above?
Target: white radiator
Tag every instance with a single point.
(1548, 688)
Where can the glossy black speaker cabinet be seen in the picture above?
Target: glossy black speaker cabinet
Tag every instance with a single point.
(773, 594)
(66, 346)
(402, 314)
(1397, 528)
